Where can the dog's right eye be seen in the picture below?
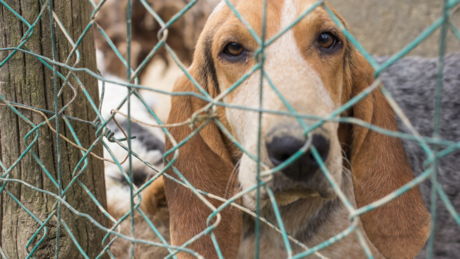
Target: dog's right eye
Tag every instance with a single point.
(327, 40)
(233, 49)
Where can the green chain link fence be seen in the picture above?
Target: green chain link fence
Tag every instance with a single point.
(102, 134)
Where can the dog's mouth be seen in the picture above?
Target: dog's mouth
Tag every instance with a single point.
(289, 196)
(287, 191)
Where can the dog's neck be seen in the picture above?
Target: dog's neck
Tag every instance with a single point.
(310, 221)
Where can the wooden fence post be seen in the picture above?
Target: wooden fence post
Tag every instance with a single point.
(25, 80)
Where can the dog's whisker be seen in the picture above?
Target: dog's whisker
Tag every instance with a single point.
(233, 175)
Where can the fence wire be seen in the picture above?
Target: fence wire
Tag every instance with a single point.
(104, 135)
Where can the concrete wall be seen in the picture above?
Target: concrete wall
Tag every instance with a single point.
(384, 27)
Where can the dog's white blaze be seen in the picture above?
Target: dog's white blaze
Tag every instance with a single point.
(292, 51)
(295, 78)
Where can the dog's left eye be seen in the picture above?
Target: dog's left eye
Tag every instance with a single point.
(234, 49)
(327, 40)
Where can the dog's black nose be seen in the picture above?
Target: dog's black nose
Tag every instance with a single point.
(280, 148)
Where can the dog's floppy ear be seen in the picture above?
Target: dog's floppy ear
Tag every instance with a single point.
(205, 162)
(380, 165)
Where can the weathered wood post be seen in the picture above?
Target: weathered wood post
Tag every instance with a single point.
(25, 80)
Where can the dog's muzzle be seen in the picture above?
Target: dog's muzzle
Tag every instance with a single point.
(282, 142)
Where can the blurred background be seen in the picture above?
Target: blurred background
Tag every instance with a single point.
(385, 27)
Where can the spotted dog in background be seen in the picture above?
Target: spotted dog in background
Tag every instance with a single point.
(148, 144)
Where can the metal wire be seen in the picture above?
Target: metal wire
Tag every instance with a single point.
(440, 148)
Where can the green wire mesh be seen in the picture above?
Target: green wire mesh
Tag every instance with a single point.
(132, 85)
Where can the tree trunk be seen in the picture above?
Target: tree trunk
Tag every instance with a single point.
(25, 80)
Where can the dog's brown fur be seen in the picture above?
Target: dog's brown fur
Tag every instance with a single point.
(216, 162)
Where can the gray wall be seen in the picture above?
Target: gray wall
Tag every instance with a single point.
(384, 27)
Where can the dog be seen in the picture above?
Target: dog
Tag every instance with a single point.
(317, 70)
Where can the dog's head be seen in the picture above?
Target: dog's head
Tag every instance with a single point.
(311, 69)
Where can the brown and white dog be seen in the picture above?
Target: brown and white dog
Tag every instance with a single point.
(317, 70)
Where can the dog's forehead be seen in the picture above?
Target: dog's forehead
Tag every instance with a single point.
(280, 13)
